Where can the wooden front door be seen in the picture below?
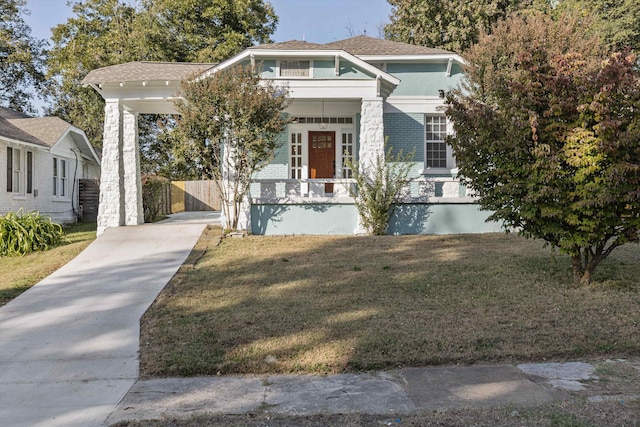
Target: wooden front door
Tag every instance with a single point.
(322, 154)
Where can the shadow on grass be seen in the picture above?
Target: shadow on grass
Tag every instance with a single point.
(340, 304)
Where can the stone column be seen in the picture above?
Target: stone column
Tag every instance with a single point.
(371, 132)
(110, 209)
(134, 214)
(371, 139)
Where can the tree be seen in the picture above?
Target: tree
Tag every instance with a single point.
(447, 24)
(229, 125)
(21, 58)
(108, 32)
(102, 33)
(547, 135)
(379, 188)
(617, 20)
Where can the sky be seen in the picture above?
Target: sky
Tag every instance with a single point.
(317, 21)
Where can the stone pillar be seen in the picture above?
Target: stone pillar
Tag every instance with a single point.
(371, 139)
(110, 209)
(134, 214)
(371, 132)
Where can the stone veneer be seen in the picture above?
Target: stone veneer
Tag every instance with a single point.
(120, 185)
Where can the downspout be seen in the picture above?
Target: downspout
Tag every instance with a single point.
(73, 190)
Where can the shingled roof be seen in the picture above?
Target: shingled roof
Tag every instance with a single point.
(43, 131)
(292, 45)
(146, 71)
(370, 46)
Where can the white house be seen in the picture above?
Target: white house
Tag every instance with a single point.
(346, 98)
(42, 159)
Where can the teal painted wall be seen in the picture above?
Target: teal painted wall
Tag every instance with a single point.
(406, 132)
(335, 219)
(278, 168)
(454, 218)
(323, 219)
(423, 79)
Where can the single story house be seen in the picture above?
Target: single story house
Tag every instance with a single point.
(43, 158)
(346, 98)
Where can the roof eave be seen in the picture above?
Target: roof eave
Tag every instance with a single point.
(408, 58)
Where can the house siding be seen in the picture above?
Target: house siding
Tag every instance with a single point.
(406, 132)
(424, 79)
(59, 209)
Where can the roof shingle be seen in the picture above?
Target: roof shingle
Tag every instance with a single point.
(43, 131)
(145, 71)
(369, 46)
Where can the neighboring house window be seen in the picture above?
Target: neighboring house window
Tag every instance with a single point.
(294, 68)
(29, 172)
(10, 169)
(59, 177)
(296, 155)
(347, 154)
(435, 147)
(15, 171)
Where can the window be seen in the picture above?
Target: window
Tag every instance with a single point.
(347, 153)
(16, 165)
(29, 172)
(296, 155)
(435, 148)
(59, 177)
(294, 68)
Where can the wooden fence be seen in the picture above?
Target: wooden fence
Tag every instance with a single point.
(191, 196)
(88, 199)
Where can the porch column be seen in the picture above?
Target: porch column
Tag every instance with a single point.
(134, 214)
(111, 207)
(371, 132)
(371, 140)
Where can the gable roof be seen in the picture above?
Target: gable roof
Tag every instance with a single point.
(141, 71)
(292, 45)
(369, 46)
(42, 131)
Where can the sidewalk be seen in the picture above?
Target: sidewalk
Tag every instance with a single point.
(398, 392)
(69, 345)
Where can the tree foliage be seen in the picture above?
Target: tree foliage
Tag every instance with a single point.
(229, 126)
(448, 24)
(617, 20)
(548, 134)
(21, 58)
(108, 32)
(379, 188)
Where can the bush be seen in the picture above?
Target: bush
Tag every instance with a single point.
(22, 233)
(378, 189)
(153, 194)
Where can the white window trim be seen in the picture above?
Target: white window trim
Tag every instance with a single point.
(280, 76)
(450, 160)
(57, 180)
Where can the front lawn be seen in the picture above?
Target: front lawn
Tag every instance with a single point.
(20, 273)
(309, 304)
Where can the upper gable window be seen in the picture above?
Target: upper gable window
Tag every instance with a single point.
(294, 68)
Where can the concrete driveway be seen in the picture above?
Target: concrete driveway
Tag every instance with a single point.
(69, 345)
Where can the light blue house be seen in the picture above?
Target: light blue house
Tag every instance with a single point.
(346, 98)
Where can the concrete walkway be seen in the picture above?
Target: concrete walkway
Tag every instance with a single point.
(69, 345)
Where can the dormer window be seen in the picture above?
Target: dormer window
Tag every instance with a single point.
(294, 68)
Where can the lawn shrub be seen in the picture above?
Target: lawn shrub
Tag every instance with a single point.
(22, 233)
(153, 190)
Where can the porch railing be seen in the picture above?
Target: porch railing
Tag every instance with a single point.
(292, 191)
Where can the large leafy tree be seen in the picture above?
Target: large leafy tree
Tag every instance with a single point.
(617, 20)
(548, 136)
(21, 58)
(229, 125)
(448, 24)
(108, 32)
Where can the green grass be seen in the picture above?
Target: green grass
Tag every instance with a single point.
(342, 304)
(20, 273)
